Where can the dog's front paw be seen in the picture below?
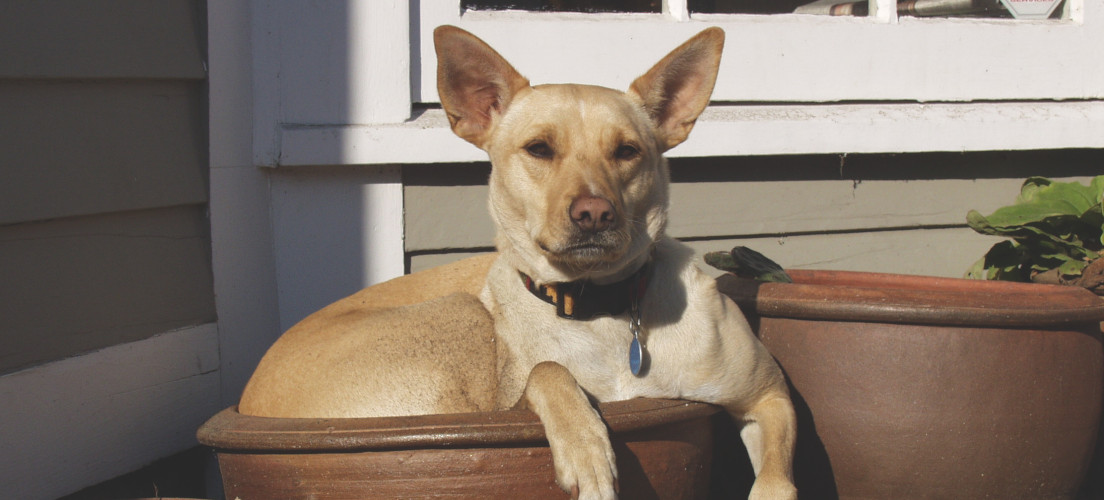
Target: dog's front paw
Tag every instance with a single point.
(772, 489)
(583, 457)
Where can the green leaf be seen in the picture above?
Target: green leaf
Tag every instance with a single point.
(1097, 186)
(1038, 210)
(1072, 267)
(720, 260)
(748, 263)
(977, 270)
(1004, 261)
(1030, 188)
(1053, 225)
(1041, 200)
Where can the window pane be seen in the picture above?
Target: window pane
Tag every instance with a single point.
(746, 6)
(835, 8)
(917, 8)
(952, 8)
(565, 5)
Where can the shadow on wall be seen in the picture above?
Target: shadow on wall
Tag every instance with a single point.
(336, 229)
(325, 248)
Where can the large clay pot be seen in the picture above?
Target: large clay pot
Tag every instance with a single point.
(917, 387)
(663, 450)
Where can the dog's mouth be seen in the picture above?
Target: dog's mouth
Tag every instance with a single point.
(588, 251)
(585, 251)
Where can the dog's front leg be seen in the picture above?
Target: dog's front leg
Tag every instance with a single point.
(769, 434)
(581, 451)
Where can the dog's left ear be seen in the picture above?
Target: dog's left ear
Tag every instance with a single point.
(676, 90)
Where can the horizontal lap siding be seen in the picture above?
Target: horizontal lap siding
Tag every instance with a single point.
(77, 148)
(943, 251)
(81, 39)
(888, 213)
(104, 237)
(81, 283)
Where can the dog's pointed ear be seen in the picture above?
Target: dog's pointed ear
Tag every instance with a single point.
(676, 90)
(474, 82)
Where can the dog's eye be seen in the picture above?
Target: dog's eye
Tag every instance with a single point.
(626, 152)
(539, 149)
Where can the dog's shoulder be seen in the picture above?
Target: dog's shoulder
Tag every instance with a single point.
(678, 287)
(675, 264)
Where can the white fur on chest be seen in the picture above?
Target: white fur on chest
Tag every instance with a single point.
(596, 352)
(697, 345)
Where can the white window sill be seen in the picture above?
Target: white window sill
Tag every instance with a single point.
(739, 130)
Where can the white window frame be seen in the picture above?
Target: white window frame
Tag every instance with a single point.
(795, 58)
(882, 83)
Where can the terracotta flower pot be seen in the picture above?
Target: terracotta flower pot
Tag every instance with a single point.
(663, 450)
(917, 387)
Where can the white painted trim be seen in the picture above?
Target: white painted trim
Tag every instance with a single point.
(266, 67)
(79, 421)
(242, 255)
(896, 128)
(802, 58)
(884, 11)
(229, 84)
(379, 61)
(425, 139)
(334, 62)
(752, 130)
(678, 10)
(330, 74)
(335, 231)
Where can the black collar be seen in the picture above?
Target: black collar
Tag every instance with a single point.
(583, 300)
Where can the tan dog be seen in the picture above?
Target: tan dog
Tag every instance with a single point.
(588, 296)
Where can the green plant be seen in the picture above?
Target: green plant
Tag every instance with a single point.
(747, 263)
(1056, 232)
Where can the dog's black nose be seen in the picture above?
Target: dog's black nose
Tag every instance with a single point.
(592, 214)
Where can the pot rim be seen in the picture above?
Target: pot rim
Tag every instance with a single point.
(900, 298)
(230, 431)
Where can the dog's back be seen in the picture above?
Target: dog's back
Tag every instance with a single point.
(418, 344)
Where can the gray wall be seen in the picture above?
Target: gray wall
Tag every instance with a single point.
(883, 213)
(104, 236)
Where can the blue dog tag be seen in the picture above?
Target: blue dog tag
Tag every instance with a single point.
(635, 355)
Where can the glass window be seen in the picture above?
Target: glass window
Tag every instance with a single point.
(1028, 9)
(936, 8)
(589, 6)
(749, 6)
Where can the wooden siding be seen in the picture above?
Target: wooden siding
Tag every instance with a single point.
(104, 237)
(83, 39)
(80, 283)
(942, 251)
(888, 213)
(75, 148)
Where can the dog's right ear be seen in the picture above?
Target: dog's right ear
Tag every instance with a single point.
(474, 82)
